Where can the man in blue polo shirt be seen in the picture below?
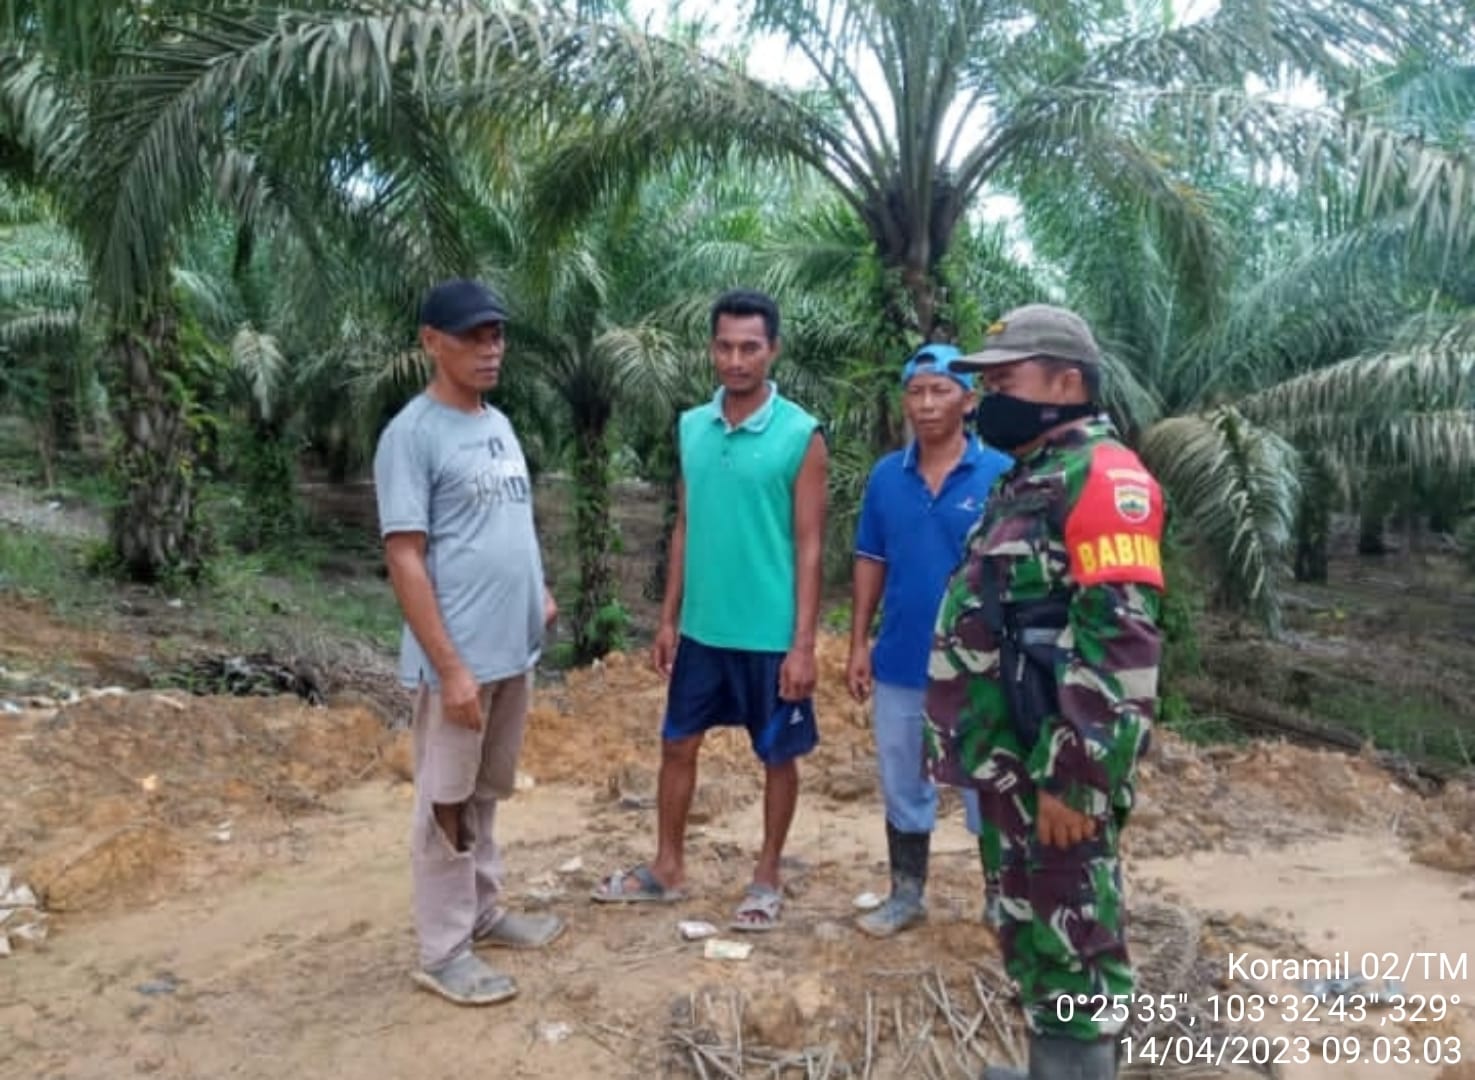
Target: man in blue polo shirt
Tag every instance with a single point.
(918, 506)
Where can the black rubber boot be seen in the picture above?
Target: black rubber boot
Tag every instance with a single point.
(907, 854)
(1055, 1058)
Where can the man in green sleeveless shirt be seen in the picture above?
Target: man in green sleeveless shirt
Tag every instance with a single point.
(738, 627)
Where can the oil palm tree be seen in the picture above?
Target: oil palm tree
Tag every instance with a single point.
(918, 107)
(64, 125)
(1334, 345)
(285, 112)
(915, 108)
(46, 365)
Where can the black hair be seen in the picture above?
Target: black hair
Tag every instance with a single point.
(1090, 375)
(743, 302)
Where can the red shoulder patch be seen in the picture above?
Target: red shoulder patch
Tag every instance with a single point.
(1114, 531)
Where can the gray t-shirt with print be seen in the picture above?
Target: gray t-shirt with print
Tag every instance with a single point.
(461, 479)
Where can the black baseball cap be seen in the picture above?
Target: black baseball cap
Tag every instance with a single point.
(455, 306)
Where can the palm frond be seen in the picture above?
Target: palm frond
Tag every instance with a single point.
(34, 332)
(664, 102)
(1133, 402)
(155, 132)
(209, 297)
(1347, 292)
(20, 204)
(372, 373)
(647, 359)
(1333, 40)
(1438, 374)
(1413, 408)
(1234, 487)
(258, 360)
(42, 285)
(44, 120)
(1396, 178)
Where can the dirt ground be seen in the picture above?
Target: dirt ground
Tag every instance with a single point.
(221, 883)
(224, 890)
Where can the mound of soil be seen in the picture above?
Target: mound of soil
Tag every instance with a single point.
(101, 796)
(607, 718)
(1266, 794)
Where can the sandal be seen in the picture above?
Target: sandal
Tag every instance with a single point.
(612, 890)
(763, 901)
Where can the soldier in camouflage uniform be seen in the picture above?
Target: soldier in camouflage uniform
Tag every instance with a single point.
(1042, 682)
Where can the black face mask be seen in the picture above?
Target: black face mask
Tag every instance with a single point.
(1009, 422)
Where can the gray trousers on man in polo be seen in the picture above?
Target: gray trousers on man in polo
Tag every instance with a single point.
(455, 892)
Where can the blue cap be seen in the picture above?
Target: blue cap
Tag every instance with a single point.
(456, 306)
(935, 358)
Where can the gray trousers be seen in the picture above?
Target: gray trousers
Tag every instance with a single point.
(455, 892)
(910, 798)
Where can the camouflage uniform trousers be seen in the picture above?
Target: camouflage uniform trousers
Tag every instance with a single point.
(990, 851)
(1063, 932)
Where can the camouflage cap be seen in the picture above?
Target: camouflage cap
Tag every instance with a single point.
(1035, 330)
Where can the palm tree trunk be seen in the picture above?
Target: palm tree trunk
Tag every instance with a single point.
(154, 529)
(922, 290)
(891, 429)
(1370, 528)
(62, 403)
(267, 464)
(1313, 526)
(899, 319)
(45, 429)
(595, 632)
(655, 582)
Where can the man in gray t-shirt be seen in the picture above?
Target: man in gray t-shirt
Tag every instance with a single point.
(456, 514)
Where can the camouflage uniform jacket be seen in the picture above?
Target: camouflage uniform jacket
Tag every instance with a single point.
(1079, 521)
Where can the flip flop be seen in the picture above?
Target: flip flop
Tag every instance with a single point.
(763, 901)
(612, 889)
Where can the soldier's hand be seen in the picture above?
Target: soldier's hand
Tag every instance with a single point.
(1060, 826)
(858, 675)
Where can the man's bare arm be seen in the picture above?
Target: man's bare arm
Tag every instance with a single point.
(811, 492)
(663, 650)
(675, 562)
(404, 553)
(867, 584)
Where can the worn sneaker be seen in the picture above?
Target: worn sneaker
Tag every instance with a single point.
(513, 931)
(467, 980)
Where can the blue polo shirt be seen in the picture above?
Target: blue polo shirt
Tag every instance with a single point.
(920, 539)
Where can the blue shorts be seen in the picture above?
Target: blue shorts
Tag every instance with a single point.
(713, 687)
